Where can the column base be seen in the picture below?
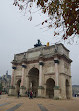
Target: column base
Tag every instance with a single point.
(57, 92)
(11, 91)
(22, 91)
(40, 91)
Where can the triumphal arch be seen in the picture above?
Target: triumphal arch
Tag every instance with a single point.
(46, 70)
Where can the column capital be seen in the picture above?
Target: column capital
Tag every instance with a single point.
(56, 61)
(41, 63)
(14, 67)
(23, 66)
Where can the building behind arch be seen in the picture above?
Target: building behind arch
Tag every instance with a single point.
(46, 70)
(5, 81)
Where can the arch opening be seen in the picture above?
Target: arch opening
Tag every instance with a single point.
(18, 85)
(34, 81)
(67, 89)
(50, 84)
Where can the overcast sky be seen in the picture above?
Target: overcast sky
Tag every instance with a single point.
(17, 35)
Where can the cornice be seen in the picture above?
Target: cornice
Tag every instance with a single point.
(43, 58)
(65, 74)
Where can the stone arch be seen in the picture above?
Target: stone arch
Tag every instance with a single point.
(50, 84)
(67, 88)
(31, 66)
(18, 85)
(34, 80)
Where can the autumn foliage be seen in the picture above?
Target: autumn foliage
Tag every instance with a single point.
(64, 13)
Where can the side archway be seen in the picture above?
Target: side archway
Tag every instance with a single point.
(18, 85)
(50, 84)
(67, 89)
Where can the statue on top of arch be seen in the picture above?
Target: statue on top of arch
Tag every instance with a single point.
(38, 44)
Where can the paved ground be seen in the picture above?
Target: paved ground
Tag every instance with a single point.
(8, 103)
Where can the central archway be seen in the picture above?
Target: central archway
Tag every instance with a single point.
(34, 80)
(50, 84)
(18, 85)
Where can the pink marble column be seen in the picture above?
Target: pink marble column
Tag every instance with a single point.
(40, 88)
(27, 82)
(23, 72)
(12, 79)
(22, 78)
(40, 76)
(56, 72)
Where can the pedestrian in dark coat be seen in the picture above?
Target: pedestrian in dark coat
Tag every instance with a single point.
(31, 94)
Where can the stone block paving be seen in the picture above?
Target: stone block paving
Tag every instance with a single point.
(8, 103)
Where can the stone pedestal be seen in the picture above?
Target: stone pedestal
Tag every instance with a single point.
(22, 91)
(57, 92)
(11, 91)
(40, 91)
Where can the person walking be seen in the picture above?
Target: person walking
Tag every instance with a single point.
(31, 94)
